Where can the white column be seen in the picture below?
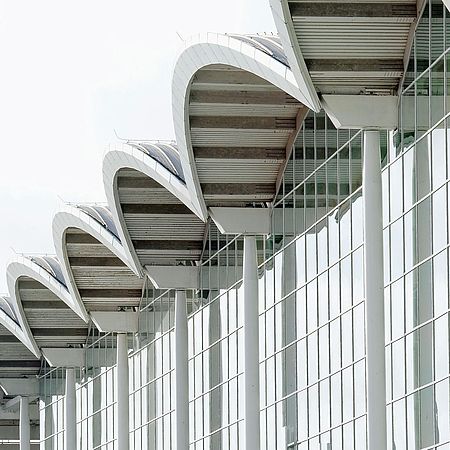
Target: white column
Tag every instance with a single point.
(181, 372)
(251, 345)
(423, 308)
(373, 271)
(24, 424)
(70, 411)
(290, 335)
(122, 386)
(215, 371)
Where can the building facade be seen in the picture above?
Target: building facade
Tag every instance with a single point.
(276, 279)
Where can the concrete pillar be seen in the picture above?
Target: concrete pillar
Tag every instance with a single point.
(122, 386)
(251, 345)
(373, 272)
(181, 372)
(70, 411)
(24, 424)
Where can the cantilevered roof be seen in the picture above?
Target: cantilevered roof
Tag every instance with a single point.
(16, 360)
(42, 304)
(349, 47)
(237, 110)
(166, 153)
(7, 308)
(93, 260)
(153, 207)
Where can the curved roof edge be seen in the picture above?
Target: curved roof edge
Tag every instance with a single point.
(25, 267)
(13, 326)
(130, 157)
(285, 28)
(209, 49)
(73, 217)
(6, 307)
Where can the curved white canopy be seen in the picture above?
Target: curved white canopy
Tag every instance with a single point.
(72, 217)
(25, 267)
(131, 157)
(212, 50)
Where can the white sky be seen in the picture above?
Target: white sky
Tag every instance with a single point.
(71, 73)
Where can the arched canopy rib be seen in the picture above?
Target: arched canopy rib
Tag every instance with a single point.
(98, 273)
(42, 305)
(157, 219)
(16, 360)
(237, 110)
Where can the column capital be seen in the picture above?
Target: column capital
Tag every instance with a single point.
(64, 357)
(251, 221)
(191, 277)
(362, 111)
(21, 387)
(116, 321)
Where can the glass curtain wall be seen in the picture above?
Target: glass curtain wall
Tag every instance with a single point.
(311, 297)
(51, 408)
(311, 305)
(152, 376)
(96, 396)
(416, 240)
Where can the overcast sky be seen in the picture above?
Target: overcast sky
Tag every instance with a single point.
(72, 73)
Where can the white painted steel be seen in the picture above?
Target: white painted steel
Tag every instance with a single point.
(373, 273)
(231, 220)
(116, 321)
(285, 27)
(122, 393)
(251, 345)
(24, 267)
(72, 217)
(212, 49)
(24, 424)
(70, 437)
(127, 157)
(181, 372)
(423, 356)
(13, 327)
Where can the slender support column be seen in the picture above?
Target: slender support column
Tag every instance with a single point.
(24, 425)
(181, 371)
(215, 372)
(251, 345)
(373, 268)
(290, 335)
(71, 411)
(423, 297)
(123, 413)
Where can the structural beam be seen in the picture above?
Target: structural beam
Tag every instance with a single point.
(191, 277)
(362, 111)
(122, 391)
(173, 277)
(20, 386)
(115, 321)
(388, 11)
(24, 424)
(373, 272)
(70, 437)
(243, 123)
(181, 372)
(64, 357)
(242, 220)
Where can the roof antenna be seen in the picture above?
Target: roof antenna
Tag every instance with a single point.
(179, 35)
